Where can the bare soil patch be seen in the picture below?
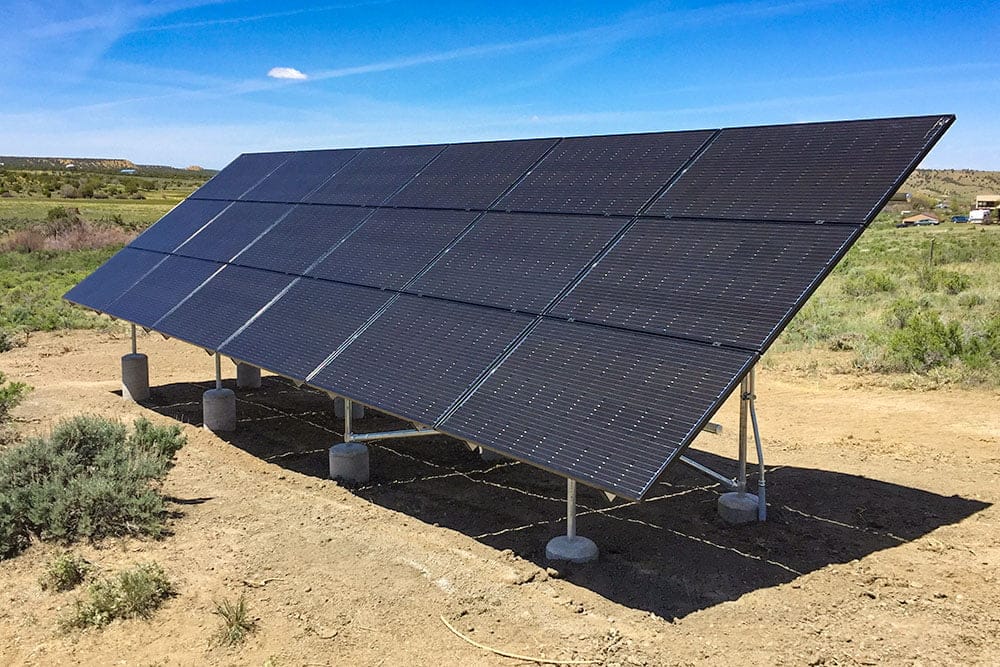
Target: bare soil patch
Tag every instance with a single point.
(881, 546)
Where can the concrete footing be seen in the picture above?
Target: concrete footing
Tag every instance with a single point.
(349, 462)
(573, 549)
(490, 456)
(357, 409)
(135, 377)
(247, 376)
(736, 507)
(219, 410)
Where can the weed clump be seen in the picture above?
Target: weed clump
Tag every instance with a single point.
(133, 593)
(64, 572)
(236, 622)
(92, 478)
(11, 395)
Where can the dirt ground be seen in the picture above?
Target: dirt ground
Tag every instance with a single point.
(882, 544)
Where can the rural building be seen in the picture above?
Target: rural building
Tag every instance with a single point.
(921, 219)
(988, 201)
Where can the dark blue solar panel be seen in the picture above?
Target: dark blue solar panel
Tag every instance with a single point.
(302, 237)
(233, 230)
(392, 246)
(241, 175)
(837, 172)
(300, 175)
(104, 285)
(612, 175)
(222, 305)
(471, 176)
(607, 407)
(374, 175)
(716, 281)
(166, 285)
(420, 356)
(180, 224)
(516, 260)
(301, 329)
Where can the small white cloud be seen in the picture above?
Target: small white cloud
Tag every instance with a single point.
(286, 73)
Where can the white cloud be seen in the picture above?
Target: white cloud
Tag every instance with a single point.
(286, 73)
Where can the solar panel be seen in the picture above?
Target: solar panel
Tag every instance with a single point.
(517, 261)
(241, 175)
(374, 175)
(304, 326)
(170, 280)
(232, 230)
(180, 224)
(103, 286)
(302, 237)
(588, 323)
(606, 406)
(222, 305)
(612, 175)
(837, 172)
(299, 175)
(709, 280)
(420, 356)
(392, 246)
(471, 176)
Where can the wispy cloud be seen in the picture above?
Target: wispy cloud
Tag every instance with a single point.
(232, 20)
(286, 73)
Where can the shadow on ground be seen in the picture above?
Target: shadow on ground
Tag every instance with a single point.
(669, 555)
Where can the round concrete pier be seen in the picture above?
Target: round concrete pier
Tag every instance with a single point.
(573, 549)
(135, 377)
(489, 456)
(357, 409)
(219, 410)
(247, 376)
(349, 463)
(737, 508)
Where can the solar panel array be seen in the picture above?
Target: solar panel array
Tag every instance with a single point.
(582, 304)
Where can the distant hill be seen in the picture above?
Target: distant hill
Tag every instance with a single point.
(100, 165)
(955, 188)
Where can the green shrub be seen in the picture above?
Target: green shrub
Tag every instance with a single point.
(90, 479)
(923, 343)
(236, 622)
(868, 283)
(11, 395)
(951, 282)
(64, 572)
(971, 300)
(132, 593)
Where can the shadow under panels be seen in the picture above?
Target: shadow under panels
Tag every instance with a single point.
(610, 175)
(420, 356)
(607, 407)
(835, 172)
(726, 282)
(517, 261)
(471, 176)
(374, 175)
(392, 246)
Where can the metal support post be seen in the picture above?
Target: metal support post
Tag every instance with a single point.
(348, 406)
(741, 477)
(761, 485)
(134, 347)
(571, 509)
(218, 371)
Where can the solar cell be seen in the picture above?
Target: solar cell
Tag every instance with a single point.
(222, 305)
(104, 285)
(392, 246)
(302, 173)
(715, 281)
(232, 230)
(471, 176)
(166, 285)
(837, 172)
(241, 175)
(420, 356)
(304, 326)
(374, 175)
(181, 223)
(608, 407)
(302, 237)
(611, 175)
(517, 261)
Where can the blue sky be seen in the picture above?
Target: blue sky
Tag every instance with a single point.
(187, 81)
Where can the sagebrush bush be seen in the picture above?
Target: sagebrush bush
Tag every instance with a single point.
(64, 572)
(132, 593)
(11, 395)
(91, 478)
(869, 282)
